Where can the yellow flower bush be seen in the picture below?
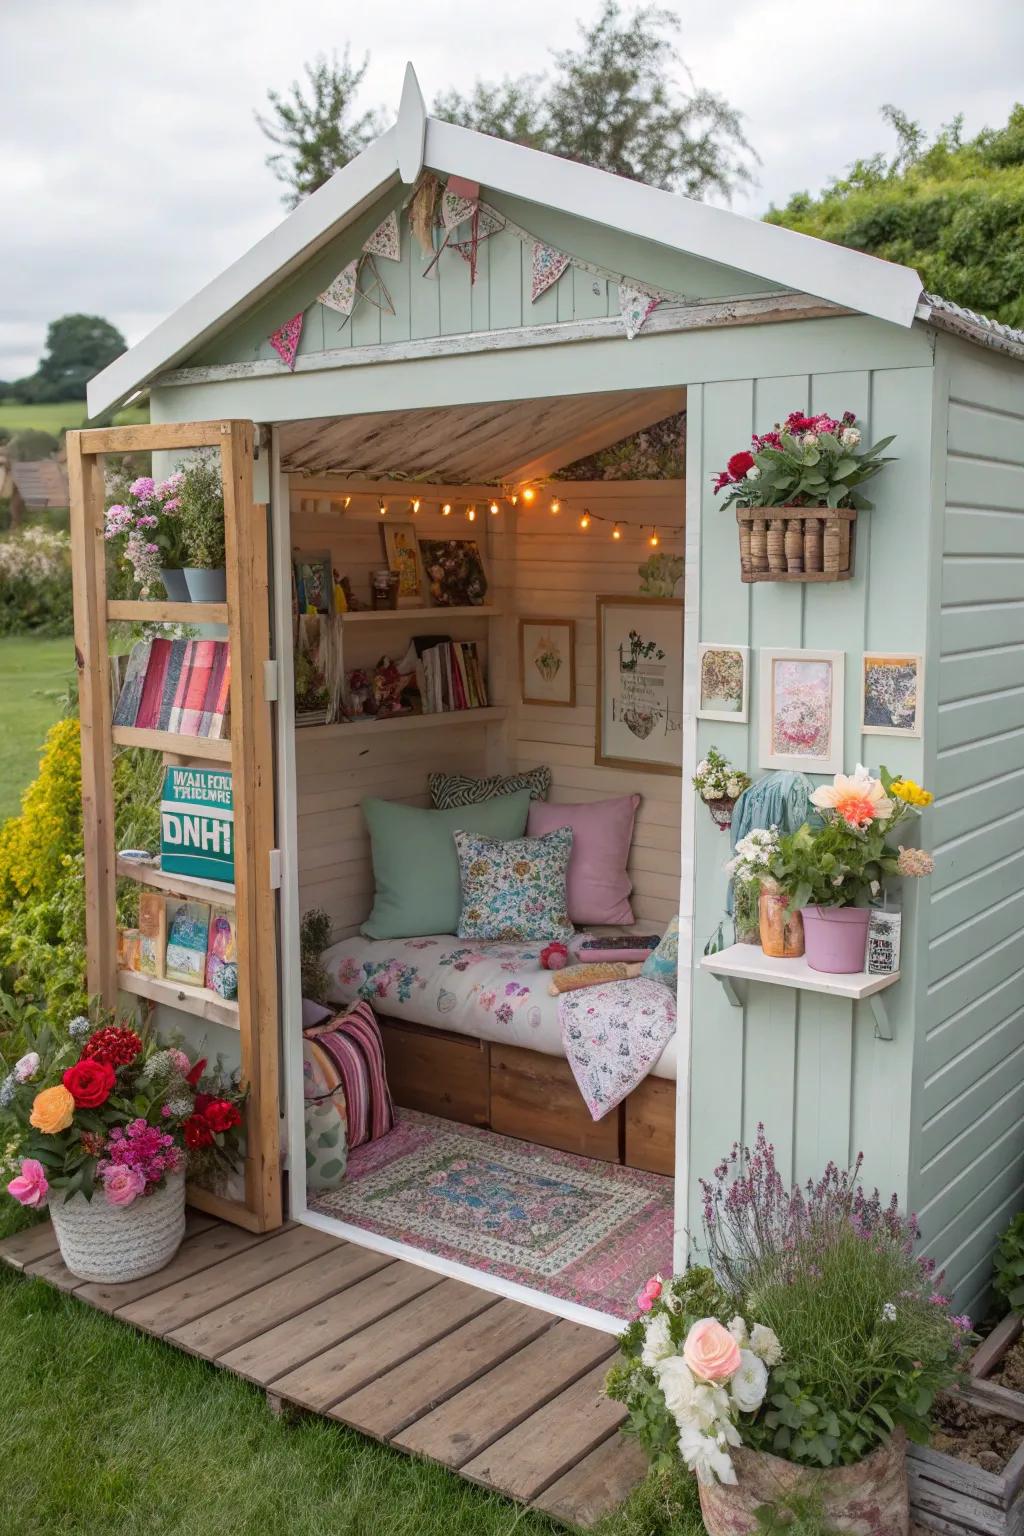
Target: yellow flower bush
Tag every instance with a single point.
(910, 793)
(34, 844)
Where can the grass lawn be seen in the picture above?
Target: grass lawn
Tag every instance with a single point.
(32, 674)
(56, 416)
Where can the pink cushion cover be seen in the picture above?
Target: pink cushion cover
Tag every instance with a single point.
(597, 885)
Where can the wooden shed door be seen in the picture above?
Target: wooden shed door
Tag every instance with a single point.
(249, 753)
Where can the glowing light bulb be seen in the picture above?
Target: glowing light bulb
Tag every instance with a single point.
(471, 514)
(494, 509)
(528, 494)
(348, 502)
(585, 520)
(513, 498)
(616, 532)
(415, 504)
(556, 505)
(446, 510)
(381, 508)
(654, 541)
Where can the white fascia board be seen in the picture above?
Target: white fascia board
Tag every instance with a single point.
(850, 278)
(318, 219)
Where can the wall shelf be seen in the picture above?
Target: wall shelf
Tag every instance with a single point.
(402, 615)
(221, 892)
(345, 728)
(213, 748)
(145, 612)
(178, 994)
(747, 962)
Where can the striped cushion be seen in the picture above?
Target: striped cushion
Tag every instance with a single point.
(351, 1053)
(449, 790)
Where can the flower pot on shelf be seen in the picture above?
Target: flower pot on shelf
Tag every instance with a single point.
(796, 543)
(868, 1498)
(782, 937)
(205, 586)
(836, 938)
(721, 812)
(174, 585)
(113, 1243)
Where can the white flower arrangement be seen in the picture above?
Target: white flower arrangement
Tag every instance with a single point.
(753, 855)
(717, 779)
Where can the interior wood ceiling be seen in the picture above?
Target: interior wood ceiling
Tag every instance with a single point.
(472, 444)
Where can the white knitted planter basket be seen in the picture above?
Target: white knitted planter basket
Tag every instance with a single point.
(113, 1243)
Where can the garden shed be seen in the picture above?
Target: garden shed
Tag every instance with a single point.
(427, 364)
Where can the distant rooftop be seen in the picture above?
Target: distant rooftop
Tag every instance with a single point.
(40, 482)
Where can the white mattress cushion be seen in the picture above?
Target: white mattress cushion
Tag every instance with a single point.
(496, 992)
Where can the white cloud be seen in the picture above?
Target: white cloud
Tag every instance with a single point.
(133, 169)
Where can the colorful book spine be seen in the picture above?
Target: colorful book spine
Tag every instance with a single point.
(213, 687)
(148, 716)
(177, 695)
(195, 683)
(130, 696)
(152, 933)
(220, 700)
(170, 685)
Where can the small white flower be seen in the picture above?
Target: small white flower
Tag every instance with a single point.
(738, 1329)
(705, 1456)
(889, 1312)
(658, 1343)
(27, 1067)
(702, 767)
(733, 788)
(810, 439)
(711, 792)
(849, 437)
(765, 1343)
(677, 1385)
(875, 887)
(837, 879)
(753, 473)
(750, 1382)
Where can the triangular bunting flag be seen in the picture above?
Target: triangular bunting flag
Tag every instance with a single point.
(634, 306)
(385, 240)
(456, 209)
(285, 340)
(547, 267)
(341, 293)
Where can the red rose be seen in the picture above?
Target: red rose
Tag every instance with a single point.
(117, 1045)
(220, 1115)
(202, 1100)
(197, 1132)
(197, 1072)
(90, 1082)
(740, 463)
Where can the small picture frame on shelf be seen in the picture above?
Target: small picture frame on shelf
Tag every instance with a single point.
(456, 572)
(402, 553)
(313, 577)
(723, 674)
(892, 694)
(801, 710)
(547, 661)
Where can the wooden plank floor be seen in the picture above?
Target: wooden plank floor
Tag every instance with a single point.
(503, 1394)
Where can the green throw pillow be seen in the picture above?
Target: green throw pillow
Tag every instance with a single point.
(415, 867)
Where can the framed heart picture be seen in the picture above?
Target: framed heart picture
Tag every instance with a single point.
(640, 683)
(547, 661)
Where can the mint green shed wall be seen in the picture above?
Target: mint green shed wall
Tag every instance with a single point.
(967, 1123)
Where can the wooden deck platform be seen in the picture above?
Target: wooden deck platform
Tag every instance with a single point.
(505, 1395)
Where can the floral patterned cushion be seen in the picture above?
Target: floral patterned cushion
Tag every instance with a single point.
(663, 965)
(514, 890)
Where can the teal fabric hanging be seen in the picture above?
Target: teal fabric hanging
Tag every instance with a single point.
(779, 800)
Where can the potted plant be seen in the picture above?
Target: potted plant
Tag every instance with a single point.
(201, 495)
(143, 517)
(796, 497)
(831, 873)
(719, 785)
(791, 1370)
(105, 1123)
(749, 868)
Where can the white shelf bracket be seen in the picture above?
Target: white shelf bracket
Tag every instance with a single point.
(728, 985)
(883, 1026)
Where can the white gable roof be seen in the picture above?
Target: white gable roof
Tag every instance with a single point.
(831, 272)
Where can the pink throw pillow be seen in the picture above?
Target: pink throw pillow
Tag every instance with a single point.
(597, 885)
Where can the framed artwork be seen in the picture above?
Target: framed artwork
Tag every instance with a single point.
(723, 674)
(640, 683)
(801, 707)
(547, 661)
(401, 551)
(314, 581)
(455, 572)
(892, 695)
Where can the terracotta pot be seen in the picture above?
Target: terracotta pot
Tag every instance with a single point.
(781, 938)
(868, 1499)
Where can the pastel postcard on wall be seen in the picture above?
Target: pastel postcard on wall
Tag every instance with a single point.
(891, 697)
(722, 673)
(801, 710)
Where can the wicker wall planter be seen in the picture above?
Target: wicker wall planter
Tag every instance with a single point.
(796, 543)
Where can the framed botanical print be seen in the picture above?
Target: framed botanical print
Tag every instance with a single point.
(640, 683)
(801, 709)
(547, 661)
(455, 571)
(723, 679)
(402, 552)
(892, 695)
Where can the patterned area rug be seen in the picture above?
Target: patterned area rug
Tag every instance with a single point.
(583, 1230)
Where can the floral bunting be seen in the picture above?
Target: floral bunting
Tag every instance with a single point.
(547, 265)
(456, 209)
(635, 305)
(285, 340)
(385, 240)
(341, 293)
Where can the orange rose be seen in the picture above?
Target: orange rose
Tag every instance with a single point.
(52, 1110)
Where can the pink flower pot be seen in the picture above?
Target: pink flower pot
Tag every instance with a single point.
(835, 938)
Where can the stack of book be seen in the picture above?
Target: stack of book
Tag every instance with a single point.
(450, 677)
(181, 686)
(184, 941)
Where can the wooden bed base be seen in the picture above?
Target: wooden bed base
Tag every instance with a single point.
(526, 1094)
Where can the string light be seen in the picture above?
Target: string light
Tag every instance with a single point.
(556, 506)
(585, 519)
(415, 504)
(494, 509)
(528, 494)
(381, 508)
(616, 532)
(651, 534)
(471, 514)
(348, 502)
(654, 541)
(513, 498)
(446, 510)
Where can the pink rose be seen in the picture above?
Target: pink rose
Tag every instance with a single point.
(710, 1351)
(644, 1302)
(122, 1184)
(30, 1187)
(653, 1287)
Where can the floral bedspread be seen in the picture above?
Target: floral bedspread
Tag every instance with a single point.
(489, 991)
(614, 1035)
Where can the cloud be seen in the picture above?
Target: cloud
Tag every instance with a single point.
(134, 170)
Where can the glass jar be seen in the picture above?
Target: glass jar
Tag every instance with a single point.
(745, 914)
(781, 937)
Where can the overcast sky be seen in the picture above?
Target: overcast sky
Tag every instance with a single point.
(133, 171)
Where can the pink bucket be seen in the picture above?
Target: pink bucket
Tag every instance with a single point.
(835, 938)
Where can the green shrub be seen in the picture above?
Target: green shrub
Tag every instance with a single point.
(1009, 1265)
(202, 513)
(35, 582)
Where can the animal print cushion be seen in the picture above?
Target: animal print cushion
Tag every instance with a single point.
(452, 789)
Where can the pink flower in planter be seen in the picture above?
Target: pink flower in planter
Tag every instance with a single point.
(710, 1351)
(30, 1187)
(121, 1184)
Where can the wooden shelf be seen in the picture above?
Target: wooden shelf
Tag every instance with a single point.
(214, 749)
(222, 892)
(401, 615)
(178, 994)
(405, 722)
(168, 613)
(748, 962)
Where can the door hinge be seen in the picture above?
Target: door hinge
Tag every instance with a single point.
(275, 869)
(270, 677)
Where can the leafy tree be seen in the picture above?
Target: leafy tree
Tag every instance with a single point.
(615, 101)
(77, 348)
(321, 132)
(953, 209)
